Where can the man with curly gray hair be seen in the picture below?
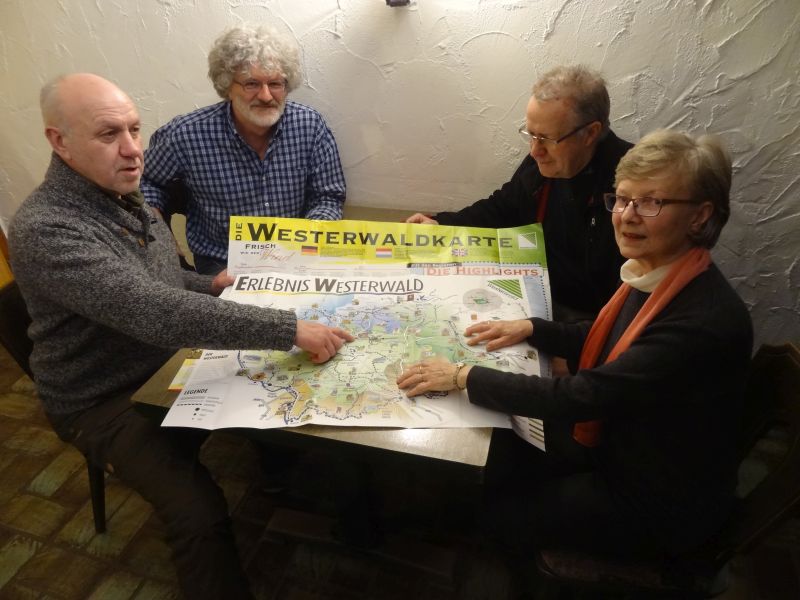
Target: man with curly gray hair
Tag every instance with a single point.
(560, 184)
(254, 153)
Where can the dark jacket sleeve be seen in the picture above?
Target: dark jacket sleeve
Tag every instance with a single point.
(683, 357)
(512, 205)
(560, 339)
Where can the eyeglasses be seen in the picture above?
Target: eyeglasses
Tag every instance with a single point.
(253, 86)
(644, 206)
(530, 137)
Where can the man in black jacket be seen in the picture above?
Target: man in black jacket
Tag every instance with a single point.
(560, 184)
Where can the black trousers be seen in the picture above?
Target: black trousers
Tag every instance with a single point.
(558, 499)
(162, 466)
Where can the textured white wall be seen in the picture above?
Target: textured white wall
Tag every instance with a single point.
(425, 100)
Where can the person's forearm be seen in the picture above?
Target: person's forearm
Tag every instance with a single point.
(559, 339)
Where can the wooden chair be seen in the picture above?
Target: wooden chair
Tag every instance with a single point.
(14, 321)
(772, 412)
(178, 198)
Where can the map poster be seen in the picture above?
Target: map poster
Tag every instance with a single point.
(396, 320)
(261, 244)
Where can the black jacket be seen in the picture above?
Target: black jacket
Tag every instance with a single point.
(587, 279)
(672, 404)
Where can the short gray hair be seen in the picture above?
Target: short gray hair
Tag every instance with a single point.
(580, 86)
(704, 164)
(253, 45)
(50, 103)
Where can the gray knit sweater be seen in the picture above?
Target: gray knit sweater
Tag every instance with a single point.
(108, 298)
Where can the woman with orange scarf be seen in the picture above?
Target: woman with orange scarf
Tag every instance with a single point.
(654, 400)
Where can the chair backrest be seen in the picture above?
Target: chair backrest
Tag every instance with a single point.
(772, 412)
(14, 321)
(178, 198)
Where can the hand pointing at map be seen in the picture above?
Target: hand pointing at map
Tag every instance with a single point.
(320, 341)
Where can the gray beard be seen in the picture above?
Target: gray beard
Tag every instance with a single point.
(267, 121)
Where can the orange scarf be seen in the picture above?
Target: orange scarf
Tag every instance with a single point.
(686, 268)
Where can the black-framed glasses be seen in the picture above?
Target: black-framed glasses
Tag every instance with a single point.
(644, 206)
(530, 137)
(253, 86)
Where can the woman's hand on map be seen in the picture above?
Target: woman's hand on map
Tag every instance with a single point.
(320, 341)
(435, 374)
(499, 334)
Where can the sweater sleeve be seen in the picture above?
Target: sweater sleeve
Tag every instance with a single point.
(196, 282)
(559, 339)
(83, 271)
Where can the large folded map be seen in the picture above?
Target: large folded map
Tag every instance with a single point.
(405, 291)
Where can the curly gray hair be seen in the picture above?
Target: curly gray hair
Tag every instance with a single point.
(584, 88)
(243, 46)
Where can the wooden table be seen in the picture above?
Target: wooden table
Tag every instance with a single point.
(451, 453)
(455, 450)
(460, 451)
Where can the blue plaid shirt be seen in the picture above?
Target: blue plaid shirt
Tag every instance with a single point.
(300, 176)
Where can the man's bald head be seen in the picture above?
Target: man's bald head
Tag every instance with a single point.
(94, 127)
(66, 95)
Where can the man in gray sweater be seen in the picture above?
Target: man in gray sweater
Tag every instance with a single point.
(110, 304)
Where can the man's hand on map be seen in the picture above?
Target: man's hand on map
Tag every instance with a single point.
(435, 374)
(421, 218)
(499, 334)
(320, 341)
(220, 282)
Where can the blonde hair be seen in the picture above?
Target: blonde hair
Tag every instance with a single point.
(242, 46)
(702, 162)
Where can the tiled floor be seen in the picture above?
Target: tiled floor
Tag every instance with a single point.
(48, 547)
